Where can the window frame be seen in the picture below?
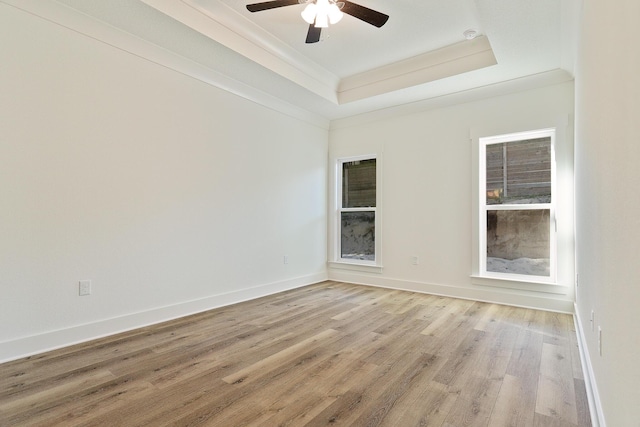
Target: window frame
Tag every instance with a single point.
(339, 209)
(483, 207)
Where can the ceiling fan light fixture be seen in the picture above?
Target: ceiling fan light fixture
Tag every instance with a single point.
(335, 15)
(321, 13)
(322, 21)
(309, 13)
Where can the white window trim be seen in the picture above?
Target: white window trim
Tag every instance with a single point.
(515, 137)
(479, 276)
(335, 259)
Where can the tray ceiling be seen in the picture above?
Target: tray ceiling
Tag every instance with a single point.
(419, 54)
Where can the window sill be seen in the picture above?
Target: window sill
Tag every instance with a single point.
(353, 266)
(523, 285)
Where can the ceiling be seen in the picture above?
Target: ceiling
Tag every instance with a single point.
(419, 54)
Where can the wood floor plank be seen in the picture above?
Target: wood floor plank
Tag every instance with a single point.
(294, 410)
(425, 406)
(451, 312)
(487, 318)
(22, 403)
(476, 399)
(82, 409)
(332, 353)
(495, 353)
(396, 389)
(58, 406)
(366, 399)
(582, 404)
(278, 358)
(38, 382)
(268, 385)
(556, 394)
(545, 421)
(524, 362)
(141, 409)
(557, 328)
(463, 360)
(511, 408)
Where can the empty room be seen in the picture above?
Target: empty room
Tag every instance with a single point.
(305, 213)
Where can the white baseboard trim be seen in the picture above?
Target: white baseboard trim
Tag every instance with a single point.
(35, 344)
(595, 406)
(484, 294)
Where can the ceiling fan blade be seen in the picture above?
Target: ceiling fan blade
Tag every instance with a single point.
(313, 35)
(257, 7)
(365, 14)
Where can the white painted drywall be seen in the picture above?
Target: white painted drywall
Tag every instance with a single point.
(426, 191)
(169, 194)
(608, 202)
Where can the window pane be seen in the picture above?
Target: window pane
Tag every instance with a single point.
(357, 235)
(519, 172)
(518, 242)
(359, 184)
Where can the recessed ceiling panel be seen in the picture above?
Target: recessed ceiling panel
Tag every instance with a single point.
(352, 46)
(355, 68)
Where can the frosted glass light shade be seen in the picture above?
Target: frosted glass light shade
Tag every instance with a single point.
(309, 13)
(322, 12)
(322, 20)
(335, 15)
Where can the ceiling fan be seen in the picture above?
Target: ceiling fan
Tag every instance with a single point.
(318, 20)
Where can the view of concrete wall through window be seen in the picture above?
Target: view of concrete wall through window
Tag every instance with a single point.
(358, 235)
(518, 176)
(357, 217)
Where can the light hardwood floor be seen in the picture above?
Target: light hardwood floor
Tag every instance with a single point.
(328, 354)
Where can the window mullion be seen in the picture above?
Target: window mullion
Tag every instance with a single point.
(371, 209)
(519, 207)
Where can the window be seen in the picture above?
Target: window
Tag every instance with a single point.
(356, 222)
(517, 206)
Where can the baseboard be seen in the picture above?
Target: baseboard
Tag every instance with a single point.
(595, 406)
(484, 293)
(28, 346)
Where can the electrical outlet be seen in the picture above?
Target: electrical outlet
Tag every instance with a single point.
(600, 340)
(285, 259)
(84, 287)
(414, 260)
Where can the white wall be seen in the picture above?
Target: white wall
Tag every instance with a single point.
(426, 191)
(171, 195)
(608, 202)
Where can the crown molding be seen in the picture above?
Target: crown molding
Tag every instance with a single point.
(448, 61)
(217, 21)
(534, 81)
